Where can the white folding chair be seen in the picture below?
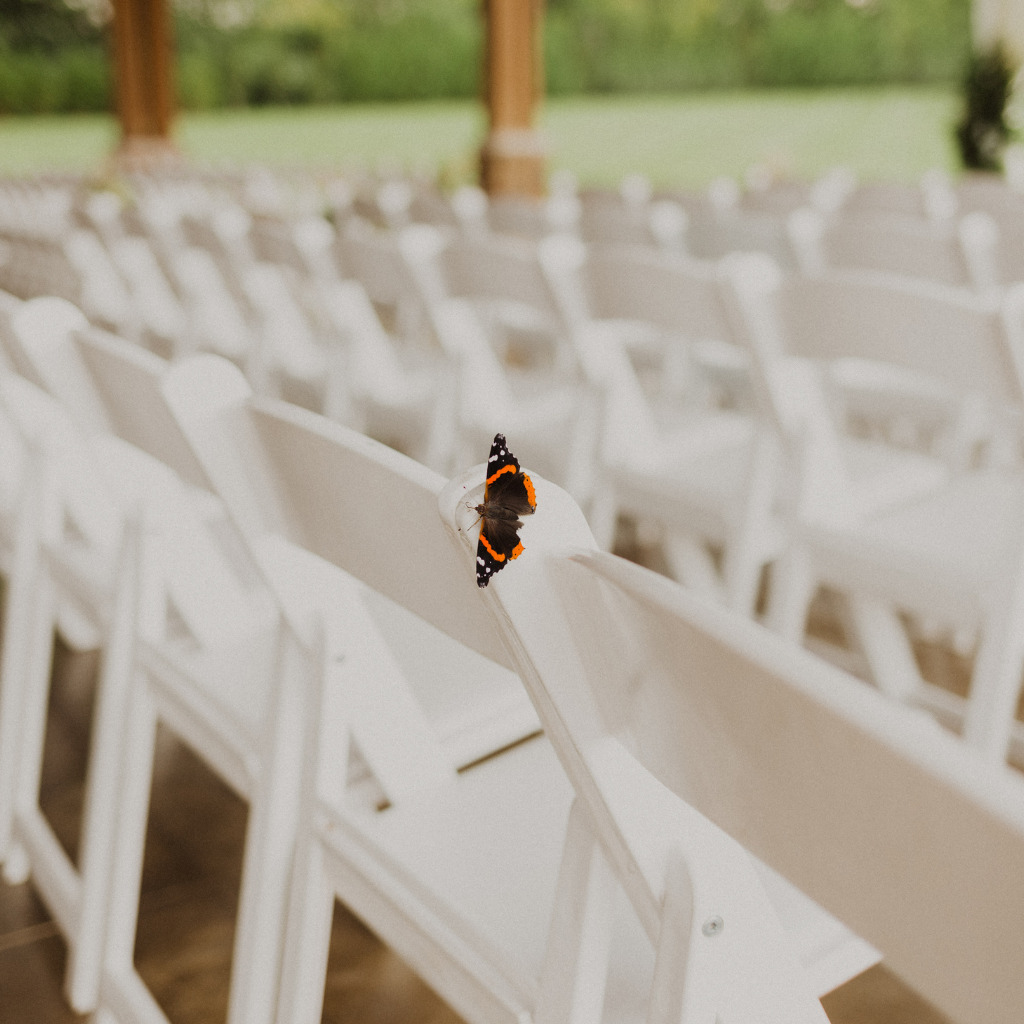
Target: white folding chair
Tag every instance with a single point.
(461, 876)
(87, 502)
(377, 260)
(947, 554)
(526, 218)
(161, 316)
(685, 457)
(102, 293)
(290, 359)
(670, 309)
(41, 351)
(346, 499)
(216, 321)
(210, 673)
(504, 279)
(709, 481)
(899, 355)
(206, 657)
(555, 418)
(687, 731)
(910, 246)
(472, 710)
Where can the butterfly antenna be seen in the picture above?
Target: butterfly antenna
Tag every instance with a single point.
(469, 504)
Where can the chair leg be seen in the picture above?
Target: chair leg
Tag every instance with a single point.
(997, 676)
(742, 574)
(308, 938)
(789, 598)
(85, 954)
(744, 557)
(129, 843)
(24, 626)
(731, 969)
(269, 854)
(886, 647)
(31, 710)
(691, 564)
(572, 986)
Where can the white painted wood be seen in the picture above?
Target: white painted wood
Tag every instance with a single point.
(645, 819)
(870, 807)
(951, 552)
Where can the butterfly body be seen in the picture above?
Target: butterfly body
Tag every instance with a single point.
(508, 495)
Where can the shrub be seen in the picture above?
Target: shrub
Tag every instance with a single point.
(317, 51)
(983, 131)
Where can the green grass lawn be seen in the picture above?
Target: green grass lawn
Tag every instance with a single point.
(894, 133)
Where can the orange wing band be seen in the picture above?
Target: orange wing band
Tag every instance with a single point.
(494, 554)
(530, 495)
(510, 468)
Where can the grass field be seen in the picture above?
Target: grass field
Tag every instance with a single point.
(687, 140)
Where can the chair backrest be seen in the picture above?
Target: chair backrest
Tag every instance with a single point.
(887, 821)
(952, 336)
(151, 466)
(608, 218)
(158, 307)
(374, 258)
(909, 246)
(126, 377)
(493, 268)
(347, 499)
(391, 539)
(42, 351)
(681, 296)
(103, 294)
(217, 322)
(519, 216)
(57, 470)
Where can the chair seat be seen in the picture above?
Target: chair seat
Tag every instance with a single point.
(941, 553)
(223, 687)
(708, 457)
(471, 719)
(701, 481)
(883, 476)
(481, 857)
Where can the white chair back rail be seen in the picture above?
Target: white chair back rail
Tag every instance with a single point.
(125, 377)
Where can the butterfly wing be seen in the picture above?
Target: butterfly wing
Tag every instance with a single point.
(499, 544)
(508, 494)
(507, 486)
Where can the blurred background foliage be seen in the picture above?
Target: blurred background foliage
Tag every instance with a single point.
(261, 52)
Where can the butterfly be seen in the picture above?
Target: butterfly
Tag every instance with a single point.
(508, 494)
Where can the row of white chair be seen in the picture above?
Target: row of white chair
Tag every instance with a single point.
(728, 489)
(586, 874)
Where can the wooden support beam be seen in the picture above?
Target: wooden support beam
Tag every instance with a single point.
(143, 69)
(513, 155)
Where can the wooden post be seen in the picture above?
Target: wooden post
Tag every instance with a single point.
(143, 66)
(512, 158)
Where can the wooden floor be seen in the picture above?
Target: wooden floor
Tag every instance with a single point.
(191, 879)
